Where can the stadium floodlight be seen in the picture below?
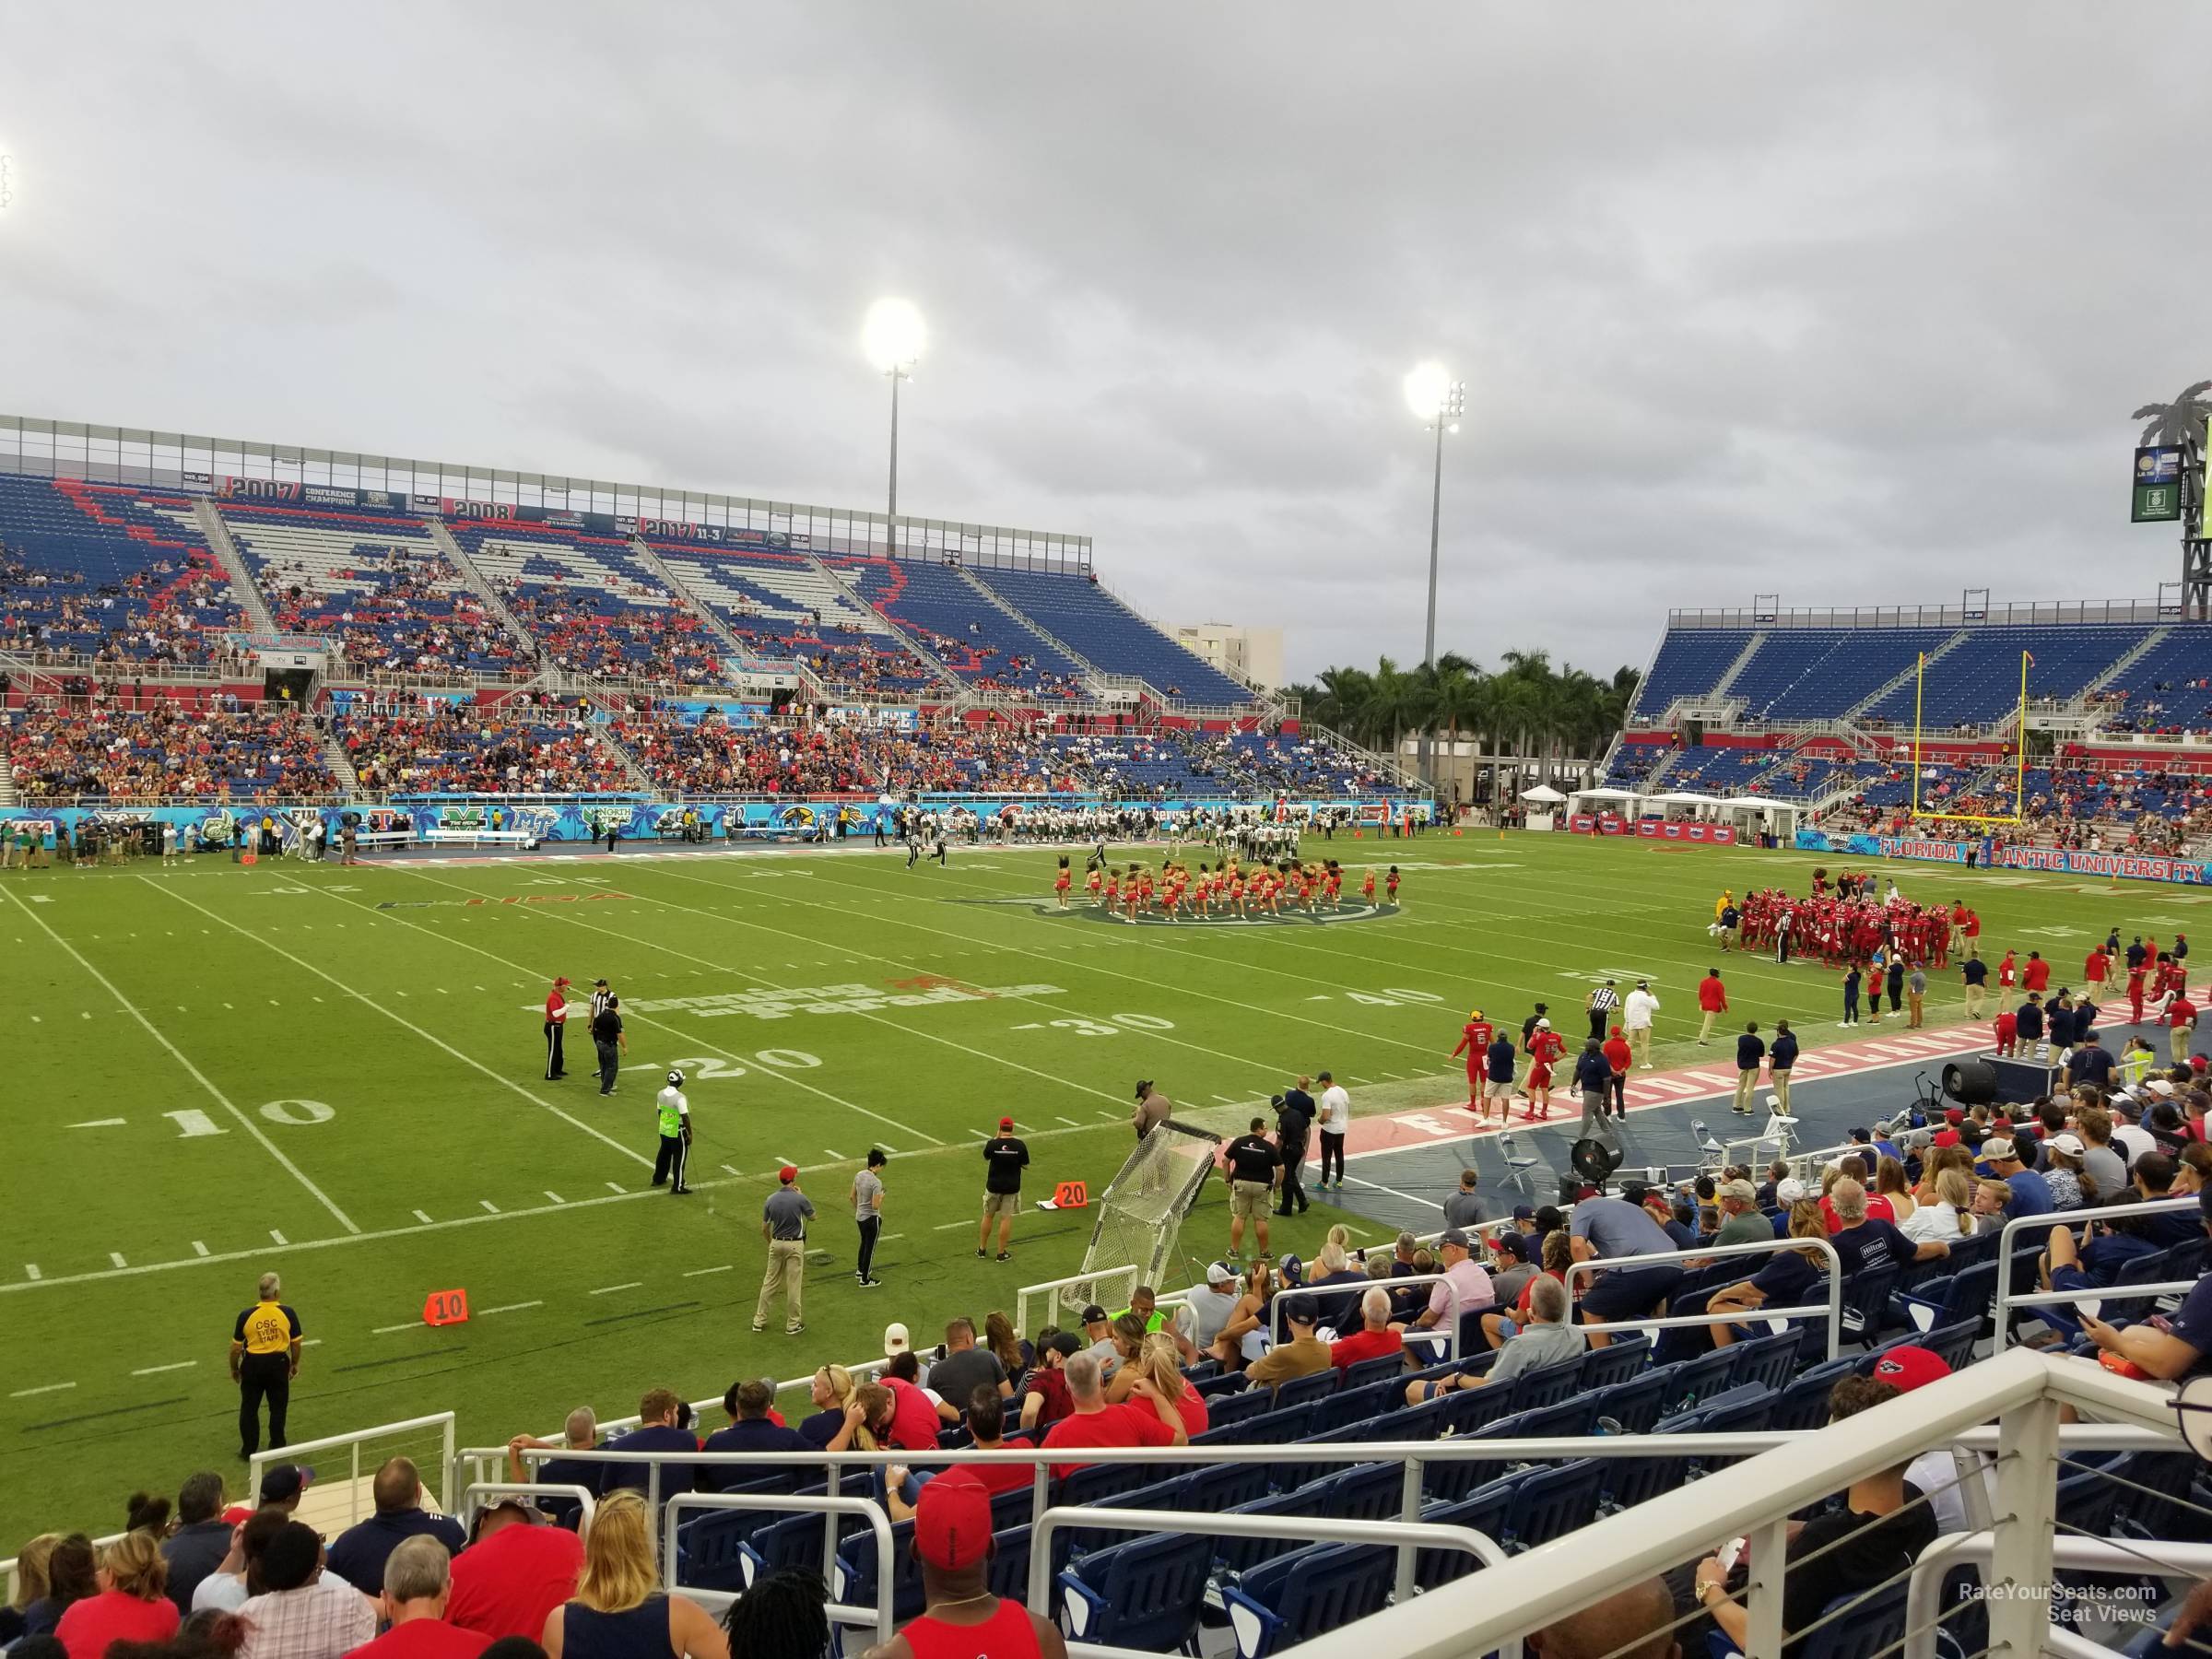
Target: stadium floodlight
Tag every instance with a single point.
(892, 336)
(1439, 401)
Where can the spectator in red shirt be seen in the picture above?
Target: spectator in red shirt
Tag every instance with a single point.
(2035, 974)
(1149, 1420)
(987, 1425)
(518, 1570)
(2180, 1023)
(1374, 1338)
(418, 1583)
(915, 1420)
(1713, 998)
(1044, 1398)
(133, 1603)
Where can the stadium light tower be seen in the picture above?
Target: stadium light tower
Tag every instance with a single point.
(1439, 401)
(893, 337)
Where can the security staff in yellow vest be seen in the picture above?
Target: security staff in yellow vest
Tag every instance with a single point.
(265, 1357)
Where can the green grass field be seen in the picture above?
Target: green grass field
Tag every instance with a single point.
(336, 1073)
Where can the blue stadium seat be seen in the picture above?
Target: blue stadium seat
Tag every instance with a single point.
(857, 1567)
(1235, 1404)
(1689, 662)
(1619, 1361)
(1547, 1503)
(1483, 1510)
(1382, 1368)
(1868, 1625)
(1694, 1379)
(1296, 1596)
(1305, 1391)
(1804, 1402)
(1145, 1593)
(1634, 1404)
(1082, 616)
(1550, 1385)
(1772, 1360)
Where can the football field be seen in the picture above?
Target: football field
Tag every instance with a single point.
(339, 1074)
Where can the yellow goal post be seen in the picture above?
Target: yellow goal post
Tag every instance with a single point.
(2020, 748)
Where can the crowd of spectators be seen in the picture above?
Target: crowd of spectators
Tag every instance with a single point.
(713, 755)
(168, 749)
(581, 631)
(519, 746)
(409, 612)
(851, 664)
(175, 609)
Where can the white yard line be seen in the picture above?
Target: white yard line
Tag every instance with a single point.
(25, 1393)
(399, 1019)
(155, 1371)
(198, 1075)
(610, 1290)
(507, 1308)
(703, 1271)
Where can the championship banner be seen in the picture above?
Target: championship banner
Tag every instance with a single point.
(256, 490)
(2157, 492)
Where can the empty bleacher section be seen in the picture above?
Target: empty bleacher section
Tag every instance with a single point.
(2168, 691)
(1824, 672)
(591, 605)
(783, 606)
(375, 582)
(1110, 636)
(1719, 770)
(1977, 682)
(109, 571)
(984, 645)
(170, 752)
(1690, 662)
(517, 745)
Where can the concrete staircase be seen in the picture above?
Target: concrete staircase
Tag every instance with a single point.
(928, 658)
(986, 592)
(2151, 640)
(479, 583)
(339, 762)
(233, 562)
(1895, 680)
(8, 798)
(1720, 687)
(602, 735)
(734, 649)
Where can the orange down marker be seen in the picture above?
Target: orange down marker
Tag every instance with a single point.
(445, 1307)
(1071, 1194)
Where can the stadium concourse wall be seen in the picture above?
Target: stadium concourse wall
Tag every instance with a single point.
(1984, 852)
(633, 818)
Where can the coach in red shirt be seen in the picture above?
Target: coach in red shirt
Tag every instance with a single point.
(557, 1020)
(1154, 1422)
(2035, 973)
(1713, 998)
(518, 1570)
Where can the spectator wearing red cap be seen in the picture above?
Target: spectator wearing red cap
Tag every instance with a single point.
(784, 1224)
(1005, 1157)
(952, 1541)
(1875, 1537)
(557, 1020)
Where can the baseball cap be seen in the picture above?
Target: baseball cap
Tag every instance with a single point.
(1522, 1212)
(895, 1339)
(558, 982)
(1950, 1137)
(1907, 1367)
(1452, 1235)
(1511, 1243)
(1006, 1122)
(283, 1482)
(1953, 1116)
(1093, 1314)
(2066, 1141)
(1789, 1191)
(788, 1173)
(1743, 1192)
(1218, 1272)
(1543, 1025)
(2159, 1086)
(1997, 1149)
(952, 1520)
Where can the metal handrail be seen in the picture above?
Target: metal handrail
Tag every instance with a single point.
(2007, 1301)
(1834, 1310)
(292, 1453)
(587, 1504)
(1978, 1548)
(879, 1522)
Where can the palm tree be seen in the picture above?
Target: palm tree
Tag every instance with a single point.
(2180, 422)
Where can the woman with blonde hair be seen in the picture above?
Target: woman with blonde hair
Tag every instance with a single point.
(132, 1603)
(832, 1392)
(1784, 1282)
(1944, 1214)
(31, 1585)
(619, 1610)
(71, 1571)
(1891, 1184)
(1161, 1363)
(1127, 1335)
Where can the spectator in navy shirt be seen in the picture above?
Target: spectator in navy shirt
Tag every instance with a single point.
(2028, 1019)
(751, 1429)
(656, 1431)
(2184, 1347)
(358, 1555)
(2089, 1063)
(2030, 1191)
(1869, 1242)
(832, 1392)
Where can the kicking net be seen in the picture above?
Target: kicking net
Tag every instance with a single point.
(1140, 1213)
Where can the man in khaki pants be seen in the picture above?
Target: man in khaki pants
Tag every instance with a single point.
(1635, 1017)
(784, 1224)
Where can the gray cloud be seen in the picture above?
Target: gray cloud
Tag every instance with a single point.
(1845, 301)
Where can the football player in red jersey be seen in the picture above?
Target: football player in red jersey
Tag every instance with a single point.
(1475, 1043)
(1545, 1047)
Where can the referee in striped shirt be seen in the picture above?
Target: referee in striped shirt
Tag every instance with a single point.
(1602, 1003)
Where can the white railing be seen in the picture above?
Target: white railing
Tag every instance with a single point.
(1449, 1332)
(1833, 1311)
(1755, 1498)
(879, 1522)
(1923, 1613)
(2007, 1299)
(472, 1494)
(1051, 1289)
(352, 1444)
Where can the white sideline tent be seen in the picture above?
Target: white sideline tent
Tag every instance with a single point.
(1623, 801)
(1544, 797)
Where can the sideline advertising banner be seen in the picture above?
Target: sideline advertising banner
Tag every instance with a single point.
(1710, 835)
(1986, 854)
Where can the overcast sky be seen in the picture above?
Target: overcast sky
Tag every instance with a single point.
(1848, 302)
